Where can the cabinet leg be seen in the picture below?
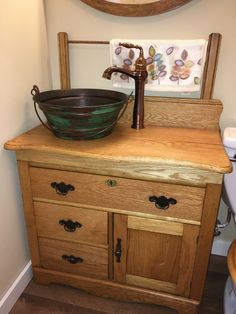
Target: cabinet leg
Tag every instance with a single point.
(188, 309)
(41, 280)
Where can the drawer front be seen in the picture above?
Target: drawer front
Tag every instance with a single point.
(74, 258)
(71, 223)
(118, 193)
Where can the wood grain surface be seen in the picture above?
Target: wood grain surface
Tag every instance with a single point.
(194, 156)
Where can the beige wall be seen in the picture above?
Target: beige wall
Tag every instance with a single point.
(23, 62)
(197, 19)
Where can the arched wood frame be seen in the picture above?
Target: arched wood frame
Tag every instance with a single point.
(146, 9)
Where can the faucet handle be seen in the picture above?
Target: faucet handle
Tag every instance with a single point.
(130, 45)
(140, 63)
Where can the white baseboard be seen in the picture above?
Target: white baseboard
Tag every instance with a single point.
(220, 247)
(16, 289)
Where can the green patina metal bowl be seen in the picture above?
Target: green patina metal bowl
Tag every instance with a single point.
(77, 114)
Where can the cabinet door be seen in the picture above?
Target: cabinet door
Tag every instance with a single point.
(154, 254)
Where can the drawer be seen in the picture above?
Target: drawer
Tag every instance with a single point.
(71, 223)
(74, 258)
(117, 193)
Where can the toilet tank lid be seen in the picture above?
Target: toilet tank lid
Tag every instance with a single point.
(229, 138)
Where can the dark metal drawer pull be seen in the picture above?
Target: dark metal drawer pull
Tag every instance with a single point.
(69, 225)
(72, 259)
(162, 202)
(118, 250)
(62, 188)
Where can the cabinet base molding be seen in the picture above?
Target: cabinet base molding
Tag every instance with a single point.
(116, 291)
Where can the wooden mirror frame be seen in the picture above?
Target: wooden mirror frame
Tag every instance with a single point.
(146, 9)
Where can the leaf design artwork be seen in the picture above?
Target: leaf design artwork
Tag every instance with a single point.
(169, 65)
(181, 69)
(127, 62)
(131, 54)
(118, 50)
(155, 67)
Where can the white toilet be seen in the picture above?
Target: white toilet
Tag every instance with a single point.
(229, 197)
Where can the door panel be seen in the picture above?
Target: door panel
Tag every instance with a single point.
(155, 254)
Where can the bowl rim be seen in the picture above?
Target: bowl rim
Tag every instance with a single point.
(43, 98)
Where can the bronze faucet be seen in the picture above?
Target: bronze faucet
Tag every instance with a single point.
(139, 75)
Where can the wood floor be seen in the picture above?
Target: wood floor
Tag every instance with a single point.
(59, 299)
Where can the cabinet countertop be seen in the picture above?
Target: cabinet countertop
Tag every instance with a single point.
(173, 147)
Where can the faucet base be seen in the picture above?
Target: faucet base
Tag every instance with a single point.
(137, 126)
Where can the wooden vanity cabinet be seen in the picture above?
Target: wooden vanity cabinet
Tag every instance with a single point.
(146, 252)
(130, 216)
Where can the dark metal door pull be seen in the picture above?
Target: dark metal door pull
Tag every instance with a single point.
(162, 202)
(69, 225)
(118, 251)
(62, 188)
(72, 259)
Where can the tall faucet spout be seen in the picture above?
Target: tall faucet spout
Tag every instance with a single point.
(109, 71)
(139, 75)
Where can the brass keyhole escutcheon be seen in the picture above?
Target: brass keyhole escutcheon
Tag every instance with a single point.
(110, 182)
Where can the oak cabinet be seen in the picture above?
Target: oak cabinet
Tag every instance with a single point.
(145, 252)
(119, 217)
(149, 253)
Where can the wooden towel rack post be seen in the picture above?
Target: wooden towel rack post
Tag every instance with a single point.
(64, 61)
(209, 74)
(212, 54)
